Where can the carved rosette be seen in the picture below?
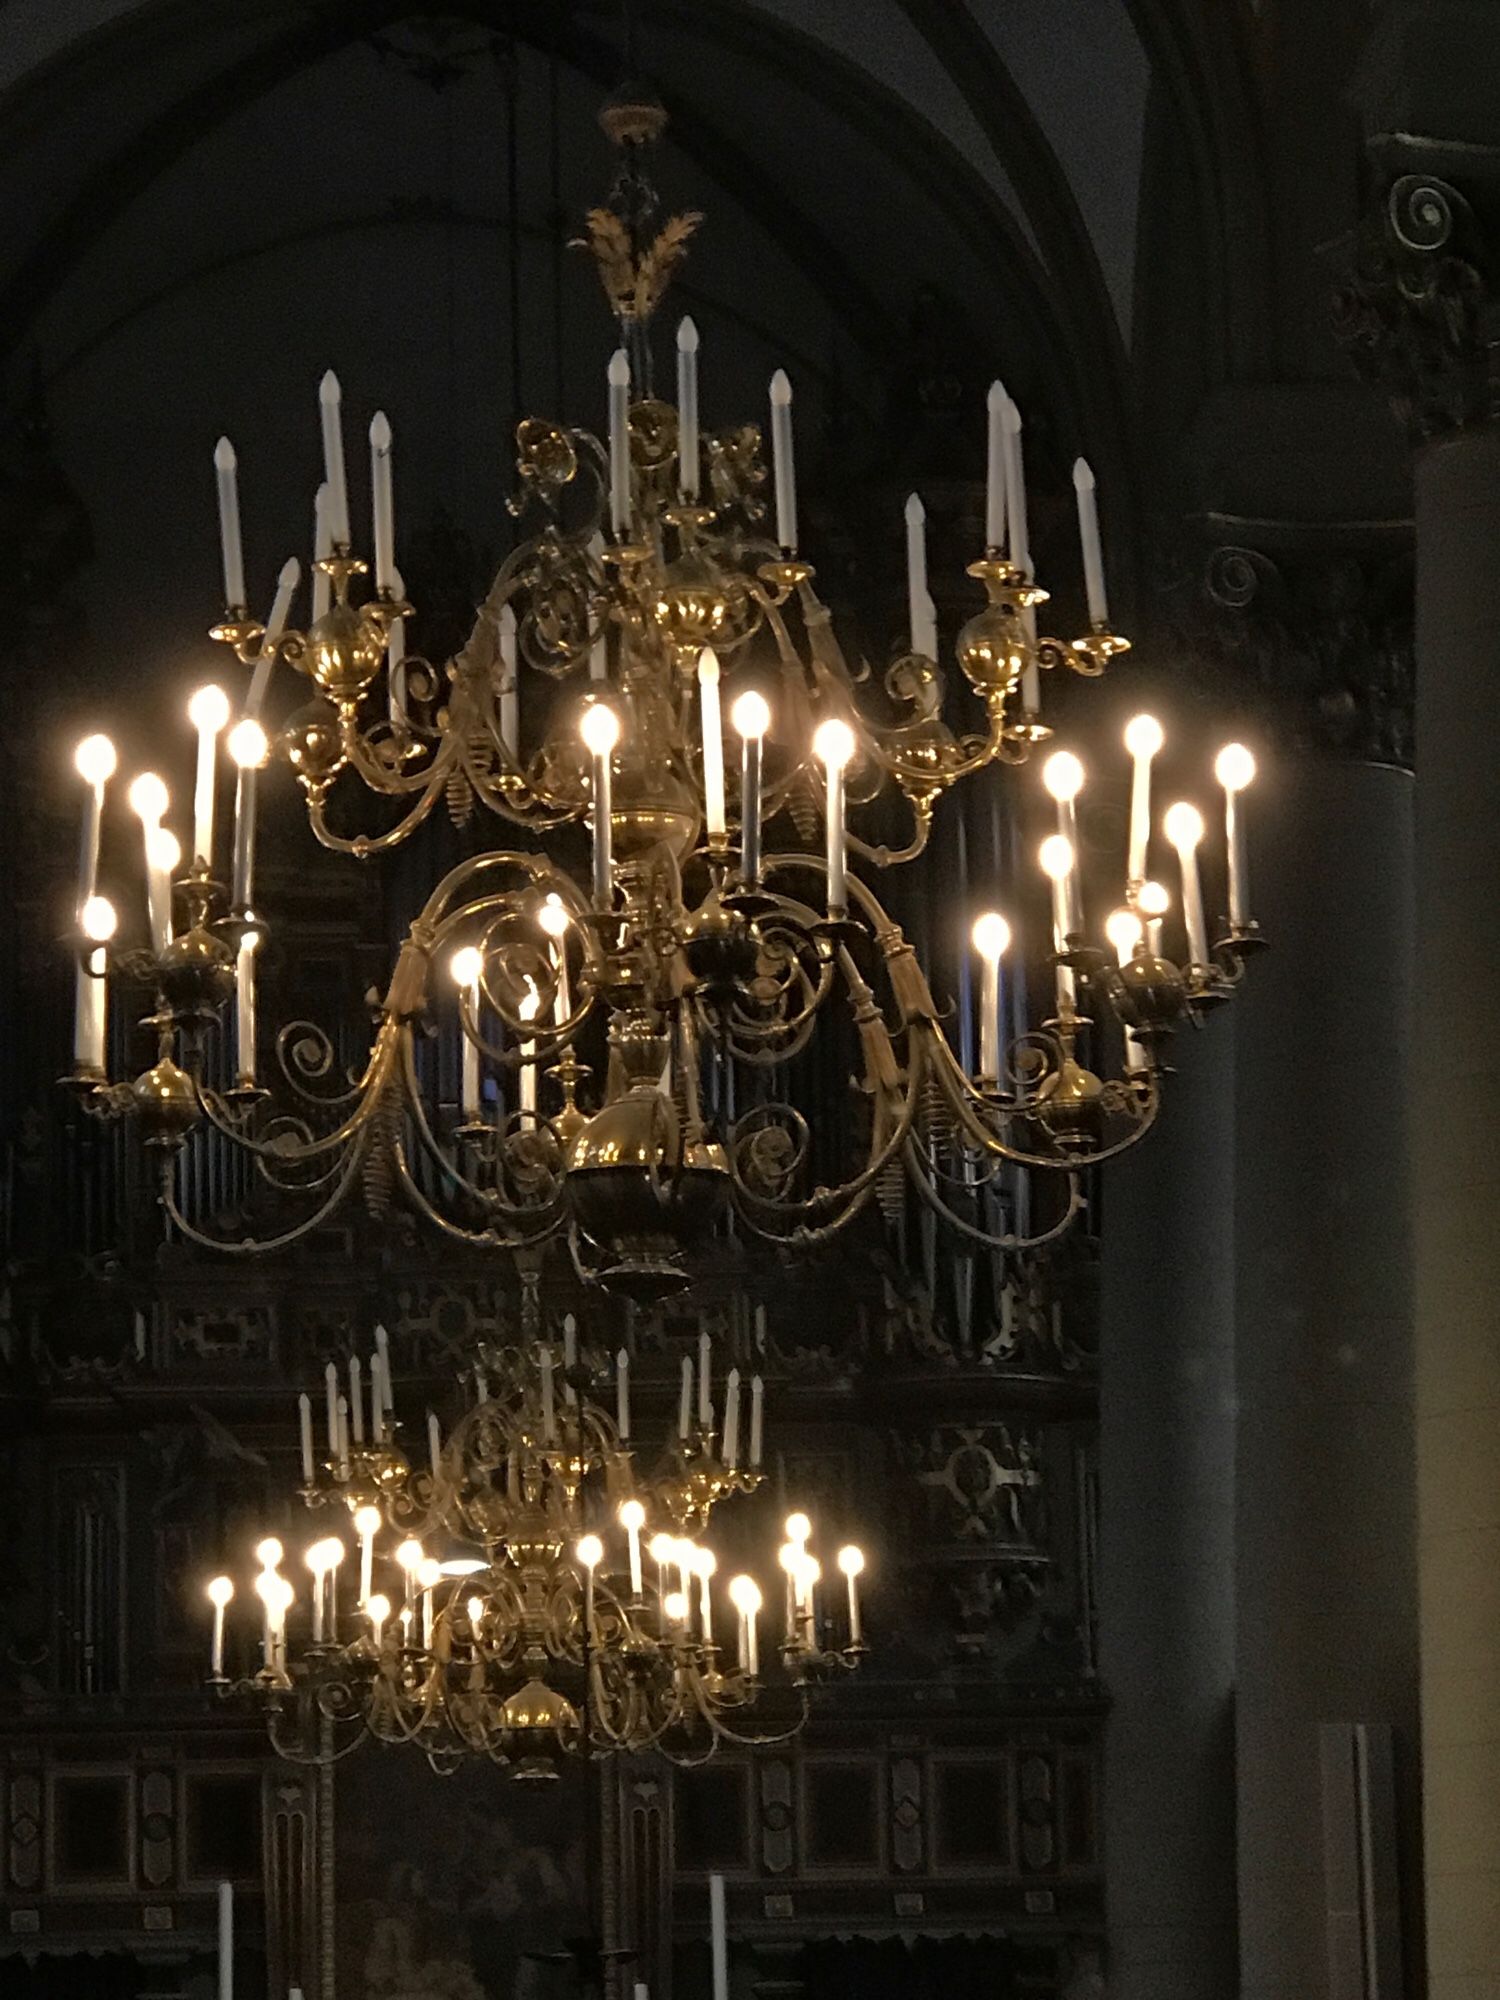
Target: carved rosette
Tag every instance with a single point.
(1419, 312)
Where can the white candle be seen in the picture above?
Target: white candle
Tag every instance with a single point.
(304, 1426)
(163, 856)
(343, 1430)
(1143, 738)
(226, 1941)
(833, 743)
(357, 1397)
(208, 711)
(90, 1008)
(1235, 768)
(226, 468)
(331, 1392)
(1020, 544)
(1183, 827)
(281, 609)
(600, 729)
(377, 1400)
(570, 1342)
(752, 718)
(244, 1007)
(705, 1382)
(366, 1523)
(713, 747)
(383, 1362)
(330, 399)
(633, 1519)
(219, 1593)
(994, 494)
(249, 749)
(599, 647)
(732, 1418)
(510, 684)
(622, 1395)
(383, 493)
(1125, 931)
(322, 584)
(469, 1032)
(434, 1442)
(528, 1011)
(757, 1419)
(991, 940)
(685, 1400)
(1063, 776)
(687, 410)
(1057, 861)
(549, 1414)
(94, 760)
(921, 617)
(851, 1562)
(718, 1937)
(619, 442)
(785, 464)
(1088, 535)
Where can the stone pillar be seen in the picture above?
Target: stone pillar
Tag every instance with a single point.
(1325, 1575)
(1166, 1559)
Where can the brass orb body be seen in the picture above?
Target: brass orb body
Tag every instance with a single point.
(167, 1102)
(719, 945)
(344, 652)
(1070, 1107)
(691, 607)
(196, 973)
(314, 742)
(991, 651)
(536, 1724)
(1149, 994)
(652, 807)
(642, 1196)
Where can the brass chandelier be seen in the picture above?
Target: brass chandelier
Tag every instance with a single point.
(673, 912)
(534, 1590)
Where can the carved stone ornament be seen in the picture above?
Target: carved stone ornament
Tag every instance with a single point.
(1418, 313)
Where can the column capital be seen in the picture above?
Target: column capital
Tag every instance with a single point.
(1419, 309)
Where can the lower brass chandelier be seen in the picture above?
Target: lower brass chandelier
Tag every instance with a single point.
(531, 1591)
(624, 1009)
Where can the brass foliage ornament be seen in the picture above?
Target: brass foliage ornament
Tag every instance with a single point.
(635, 280)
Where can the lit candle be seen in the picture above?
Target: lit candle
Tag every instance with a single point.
(687, 410)
(510, 684)
(590, 1554)
(377, 1609)
(718, 1937)
(786, 471)
(1124, 930)
(685, 1400)
(1235, 768)
(1056, 859)
(752, 718)
(330, 400)
(757, 1420)
(994, 492)
(1183, 827)
(1143, 738)
(1063, 775)
(921, 617)
(529, 1008)
(366, 1526)
(554, 920)
(600, 729)
(322, 583)
(744, 1595)
(713, 747)
(226, 473)
(281, 609)
(304, 1427)
(833, 745)
(226, 1941)
(705, 1382)
(466, 965)
(619, 442)
(148, 800)
(732, 1418)
(383, 493)
(249, 749)
(208, 711)
(851, 1562)
(220, 1591)
(632, 1520)
(1093, 553)
(97, 922)
(94, 761)
(434, 1442)
(1153, 902)
(991, 938)
(357, 1397)
(622, 1395)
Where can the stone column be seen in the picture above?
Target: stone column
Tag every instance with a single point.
(1325, 1573)
(1166, 1559)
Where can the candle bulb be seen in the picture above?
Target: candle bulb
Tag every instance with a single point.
(510, 684)
(732, 1419)
(921, 617)
(687, 410)
(833, 745)
(1093, 552)
(994, 492)
(852, 1562)
(322, 583)
(785, 465)
(249, 750)
(619, 443)
(991, 939)
(1183, 827)
(632, 1520)
(757, 1420)
(94, 761)
(751, 718)
(330, 409)
(744, 1595)
(1235, 769)
(383, 495)
(685, 1399)
(304, 1426)
(1153, 902)
(622, 1395)
(226, 474)
(600, 729)
(366, 1526)
(713, 748)
(97, 922)
(148, 800)
(208, 711)
(705, 1383)
(220, 1591)
(1125, 932)
(1062, 774)
(1056, 859)
(1143, 739)
(467, 966)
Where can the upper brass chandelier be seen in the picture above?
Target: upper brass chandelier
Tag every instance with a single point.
(623, 1018)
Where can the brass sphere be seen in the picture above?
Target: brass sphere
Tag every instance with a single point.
(642, 1196)
(990, 650)
(652, 807)
(691, 607)
(719, 946)
(196, 972)
(344, 652)
(166, 1102)
(313, 742)
(1149, 994)
(536, 1724)
(1069, 1106)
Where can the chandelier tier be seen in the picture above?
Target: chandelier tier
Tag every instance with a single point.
(677, 911)
(533, 1590)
